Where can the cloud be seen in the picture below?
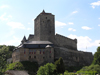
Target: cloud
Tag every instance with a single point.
(57, 23)
(29, 23)
(71, 29)
(71, 23)
(99, 25)
(98, 18)
(94, 4)
(33, 19)
(84, 41)
(13, 41)
(29, 28)
(16, 25)
(74, 12)
(2, 17)
(4, 6)
(9, 16)
(86, 28)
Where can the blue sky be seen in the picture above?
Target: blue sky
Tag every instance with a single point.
(73, 18)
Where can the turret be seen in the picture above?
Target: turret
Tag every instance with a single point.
(23, 40)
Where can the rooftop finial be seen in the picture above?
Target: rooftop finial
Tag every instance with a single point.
(43, 11)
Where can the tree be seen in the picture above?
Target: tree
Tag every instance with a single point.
(96, 59)
(5, 53)
(48, 69)
(60, 65)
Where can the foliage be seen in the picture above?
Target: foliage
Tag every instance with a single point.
(60, 65)
(91, 68)
(5, 53)
(73, 68)
(96, 59)
(48, 69)
(24, 65)
(15, 66)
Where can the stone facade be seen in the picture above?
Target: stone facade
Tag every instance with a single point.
(40, 55)
(48, 47)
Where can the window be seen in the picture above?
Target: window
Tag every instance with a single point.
(43, 57)
(29, 57)
(24, 51)
(34, 51)
(29, 51)
(46, 17)
(43, 52)
(49, 56)
(40, 51)
(35, 57)
(50, 51)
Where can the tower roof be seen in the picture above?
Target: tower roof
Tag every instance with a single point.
(43, 12)
(24, 39)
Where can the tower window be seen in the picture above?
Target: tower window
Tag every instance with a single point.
(43, 57)
(49, 56)
(46, 17)
(35, 57)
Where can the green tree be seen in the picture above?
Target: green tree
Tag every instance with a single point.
(48, 69)
(96, 59)
(5, 53)
(60, 65)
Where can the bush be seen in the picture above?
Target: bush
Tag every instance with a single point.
(31, 67)
(48, 69)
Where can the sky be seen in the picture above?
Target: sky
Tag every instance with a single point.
(78, 19)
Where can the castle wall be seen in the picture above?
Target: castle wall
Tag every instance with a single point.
(39, 55)
(73, 58)
(16, 56)
(63, 41)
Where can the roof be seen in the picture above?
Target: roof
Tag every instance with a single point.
(24, 39)
(30, 36)
(16, 72)
(38, 42)
(43, 12)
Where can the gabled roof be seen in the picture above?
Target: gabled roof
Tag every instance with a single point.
(30, 36)
(24, 39)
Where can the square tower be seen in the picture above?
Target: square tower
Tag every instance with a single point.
(44, 27)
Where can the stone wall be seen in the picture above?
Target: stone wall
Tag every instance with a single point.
(72, 57)
(63, 41)
(16, 56)
(39, 55)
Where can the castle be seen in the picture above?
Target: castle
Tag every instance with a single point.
(44, 46)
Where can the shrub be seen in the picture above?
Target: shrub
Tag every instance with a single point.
(48, 69)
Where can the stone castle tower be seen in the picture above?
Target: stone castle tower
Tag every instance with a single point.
(44, 27)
